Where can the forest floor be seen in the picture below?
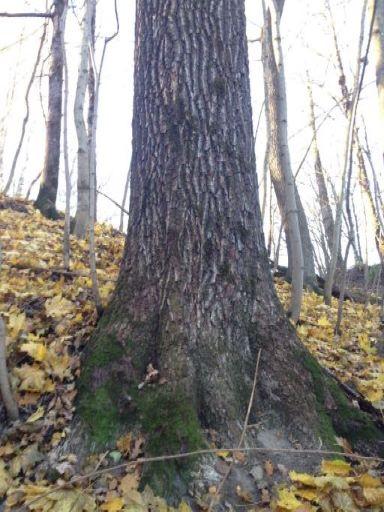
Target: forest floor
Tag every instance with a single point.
(50, 315)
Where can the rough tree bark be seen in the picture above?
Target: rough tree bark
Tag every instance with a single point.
(46, 199)
(195, 297)
(291, 208)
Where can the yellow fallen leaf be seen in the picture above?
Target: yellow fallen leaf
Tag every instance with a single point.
(337, 482)
(368, 480)
(184, 507)
(60, 365)
(5, 479)
(302, 478)
(335, 467)
(343, 502)
(365, 343)
(324, 322)
(370, 390)
(39, 413)
(134, 501)
(57, 437)
(113, 505)
(287, 500)
(223, 454)
(307, 494)
(59, 306)
(66, 500)
(25, 460)
(129, 483)
(33, 379)
(124, 443)
(16, 323)
(374, 496)
(37, 351)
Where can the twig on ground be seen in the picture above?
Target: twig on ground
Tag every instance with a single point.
(243, 433)
(208, 451)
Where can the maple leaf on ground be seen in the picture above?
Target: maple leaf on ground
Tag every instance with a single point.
(59, 307)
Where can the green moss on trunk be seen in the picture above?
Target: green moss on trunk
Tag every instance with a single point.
(110, 403)
(100, 389)
(170, 421)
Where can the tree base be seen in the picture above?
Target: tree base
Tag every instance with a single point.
(112, 402)
(46, 203)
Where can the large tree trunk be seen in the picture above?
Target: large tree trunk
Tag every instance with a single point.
(291, 208)
(46, 199)
(194, 297)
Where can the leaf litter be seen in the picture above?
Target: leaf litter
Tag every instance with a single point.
(50, 316)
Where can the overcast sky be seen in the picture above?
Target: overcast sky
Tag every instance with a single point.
(307, 43)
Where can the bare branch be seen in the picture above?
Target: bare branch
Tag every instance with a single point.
(113, 201)
(25, 15)
(26, 116)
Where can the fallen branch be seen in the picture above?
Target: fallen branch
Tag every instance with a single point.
(208, 451)
(363, 403)
(60, 271)
(5, 388)
(281, 271)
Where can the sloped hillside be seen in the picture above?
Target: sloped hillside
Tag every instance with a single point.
(49, 316)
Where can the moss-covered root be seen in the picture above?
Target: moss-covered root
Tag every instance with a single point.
(171, 424)
(110, 403)
(101, 395)
(337, 416)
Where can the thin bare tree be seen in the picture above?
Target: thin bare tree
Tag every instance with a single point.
(278, 151)
(68, 188)
(83, 165)
(46, 198)
(377, 7)
(27, 111)
(352, 110)
(94, 88)
(322, 192)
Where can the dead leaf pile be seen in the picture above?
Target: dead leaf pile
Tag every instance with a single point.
(49, 316)
(339, 488)
(352, 356)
